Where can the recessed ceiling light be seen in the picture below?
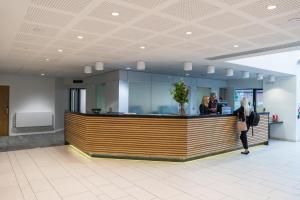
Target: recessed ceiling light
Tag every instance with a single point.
(128, 68)
(271, 7)
(79, 37)
(143, 47)
(60, 50)
(42, 74)
(47, 59)
(236, 46)
(189, 33)
(115, 14)
(187, 74)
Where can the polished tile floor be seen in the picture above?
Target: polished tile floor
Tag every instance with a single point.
(268, 172)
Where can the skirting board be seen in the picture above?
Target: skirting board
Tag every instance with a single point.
(37, 133)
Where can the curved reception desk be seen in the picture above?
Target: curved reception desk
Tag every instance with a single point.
(158, 137)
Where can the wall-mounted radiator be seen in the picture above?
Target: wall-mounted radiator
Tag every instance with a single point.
(34, 119)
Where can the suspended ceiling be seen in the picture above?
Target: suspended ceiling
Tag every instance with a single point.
(33, 31)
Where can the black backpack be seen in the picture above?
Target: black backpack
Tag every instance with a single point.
(253, 119)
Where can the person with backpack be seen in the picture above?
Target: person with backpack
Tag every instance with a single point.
(243, 124)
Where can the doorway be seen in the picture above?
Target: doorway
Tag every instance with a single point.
(4, 110)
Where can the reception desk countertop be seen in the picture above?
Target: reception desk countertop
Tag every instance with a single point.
(158, 137)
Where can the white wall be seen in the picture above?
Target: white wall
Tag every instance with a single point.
(61, 103)
(30, 94)
(280, 99)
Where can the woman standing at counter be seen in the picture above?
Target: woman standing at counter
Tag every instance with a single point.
(213, 103)
(203, 108)
(243, 115)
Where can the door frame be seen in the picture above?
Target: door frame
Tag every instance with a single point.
(8, 106)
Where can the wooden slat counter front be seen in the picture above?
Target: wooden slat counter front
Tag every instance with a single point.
(158, 137)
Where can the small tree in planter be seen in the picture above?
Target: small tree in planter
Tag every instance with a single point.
(180, 94)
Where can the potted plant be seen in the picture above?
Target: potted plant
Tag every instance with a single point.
(180, 94)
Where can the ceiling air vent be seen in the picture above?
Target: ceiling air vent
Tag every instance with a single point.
(77, 81)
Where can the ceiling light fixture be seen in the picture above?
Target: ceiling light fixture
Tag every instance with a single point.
(245, 74)
(42, 74)
(236, 46)
(260, 77)
(189, 33)
(141, 65)
(211, 69)
(99, 66)
(128, 68)
(60, 50)
(142, 47)
(229, 72)
(80, 37)
(115, 14)
(187, 74)
(271, 7)
(47, 59)
(87, 69)
(188, 66)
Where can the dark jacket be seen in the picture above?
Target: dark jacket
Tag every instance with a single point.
(241, 115)
(240, 112)
(204, 110)
(212, 105)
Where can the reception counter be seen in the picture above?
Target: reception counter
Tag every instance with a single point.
(158, 137)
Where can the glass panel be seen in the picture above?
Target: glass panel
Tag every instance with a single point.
(259, 101)
(162, 101)
(140, 97)
(239, 94)
(100, 97)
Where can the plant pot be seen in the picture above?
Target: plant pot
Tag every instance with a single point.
(181, 109)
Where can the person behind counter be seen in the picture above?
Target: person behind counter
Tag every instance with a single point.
(213, 103)
(203, 108)
(243, 114)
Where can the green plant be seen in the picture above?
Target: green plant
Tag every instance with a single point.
(180, 93)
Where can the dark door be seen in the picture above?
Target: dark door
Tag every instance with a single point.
(4, 112)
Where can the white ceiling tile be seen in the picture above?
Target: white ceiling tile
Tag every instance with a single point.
(156, 23)
(163, 40)
(146, 3)
(47, 17)
(223, 21)
(27, 46)
(37, 29)
(99, 49)
(189, 46)
(259, 8)
(242, 46)
(136, 47)
(249, 31)
(114, 43)
(296, 32)
(94, 26)
(72, 36)
(65, 5)
(196, 32)
(210, 52)
(232, 2)
(190, 9)
(287, 21)
(215, 39)
(104, 11)
(271, 39)
(68, 44)
(132, 34)
(32, 39)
